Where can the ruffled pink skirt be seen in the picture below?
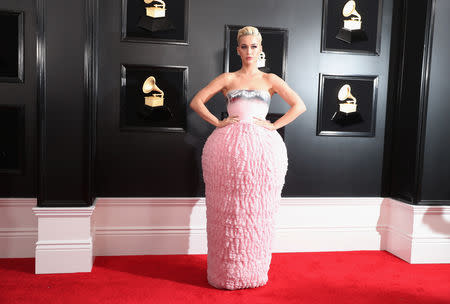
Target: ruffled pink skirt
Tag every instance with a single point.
(244, 167)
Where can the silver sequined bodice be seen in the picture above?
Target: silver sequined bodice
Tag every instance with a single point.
(247, 104)
(249, 94)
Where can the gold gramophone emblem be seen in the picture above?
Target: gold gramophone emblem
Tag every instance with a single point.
(156, 99)
(261, 60)
(350, 101)
(354, 23)
(156, 11)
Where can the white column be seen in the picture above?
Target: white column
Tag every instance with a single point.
(418, 234)
(65, 239)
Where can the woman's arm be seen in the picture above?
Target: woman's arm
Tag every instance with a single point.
(205, 94)
(297, 105)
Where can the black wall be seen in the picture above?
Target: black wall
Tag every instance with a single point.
(22, 183)
(417, 166)
(71, 93)
(168, 164)
(436, 163)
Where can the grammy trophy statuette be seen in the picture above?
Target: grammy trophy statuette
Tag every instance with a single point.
(347, 113)
(154, 108)
(349, 106)
(155, 17)
(156, 99)
(261, 63)
(351, 31)
(261, 60)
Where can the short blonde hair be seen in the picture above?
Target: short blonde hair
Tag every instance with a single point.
(249, 30)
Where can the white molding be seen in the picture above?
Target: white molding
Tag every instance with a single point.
(145, 201)
(418, 234)
(16, 202)
(174, 225)
(152, 225)
(195, 201)
(63, 211)
(18, 227)
(65, 239)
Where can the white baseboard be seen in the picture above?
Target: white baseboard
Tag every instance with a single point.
(18, 228)
(178, 225)
(134, 226)
(139, 226)
(328, 224)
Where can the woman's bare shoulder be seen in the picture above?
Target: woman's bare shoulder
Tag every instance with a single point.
(273, 81)
(271, 77)
(225, 79)
(226, 75)
(219, 83)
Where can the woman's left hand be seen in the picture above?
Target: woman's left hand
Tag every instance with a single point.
(264, 123)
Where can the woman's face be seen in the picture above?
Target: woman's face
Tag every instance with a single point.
(249, 48)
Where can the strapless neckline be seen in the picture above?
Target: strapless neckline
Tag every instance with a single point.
(248, 90)
(247, 103)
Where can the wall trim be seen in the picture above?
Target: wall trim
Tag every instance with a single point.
(193, 201)
(177, 225)
(18, 228)
(17, 202)
(90, 92)
(332, 226)
(423, 103)
(41, 99)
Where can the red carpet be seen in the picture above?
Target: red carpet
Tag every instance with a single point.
(325, 277)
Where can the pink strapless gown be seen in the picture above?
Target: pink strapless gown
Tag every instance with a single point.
(244, 167)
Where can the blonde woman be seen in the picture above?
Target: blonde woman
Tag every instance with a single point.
(244, 163)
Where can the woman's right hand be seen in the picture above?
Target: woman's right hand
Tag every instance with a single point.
(227, 121)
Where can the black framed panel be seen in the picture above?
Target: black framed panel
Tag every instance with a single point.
(155, 21)
(153, 98)
(274, 42)
(12, 138)
(351, 26)
(347, 105)
(11, 50)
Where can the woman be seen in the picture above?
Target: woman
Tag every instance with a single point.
(244, 163)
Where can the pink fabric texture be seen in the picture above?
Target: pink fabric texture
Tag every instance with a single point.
(244, 167)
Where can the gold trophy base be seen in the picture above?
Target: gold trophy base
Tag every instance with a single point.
(155, 12)
(347, 107)
(352, 25)
(152, 101)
